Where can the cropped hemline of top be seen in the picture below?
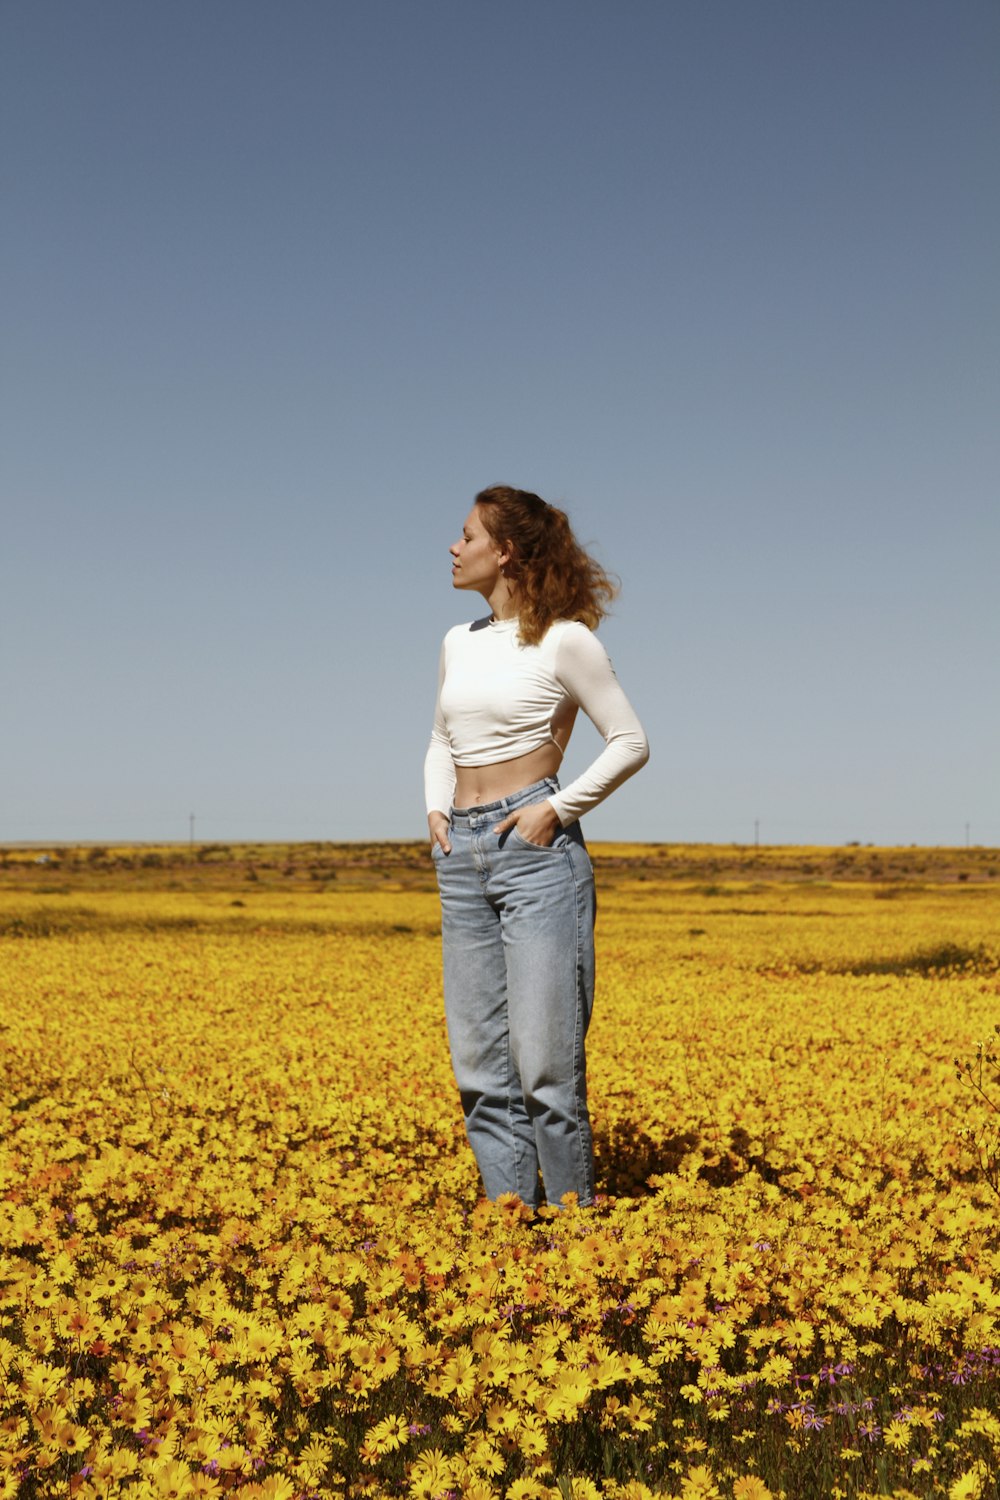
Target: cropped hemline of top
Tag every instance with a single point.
(499, 699)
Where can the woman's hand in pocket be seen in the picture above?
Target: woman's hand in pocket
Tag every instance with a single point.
(440, 831)
(537, 823)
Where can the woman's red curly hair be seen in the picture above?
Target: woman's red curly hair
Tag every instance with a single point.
(555, 578)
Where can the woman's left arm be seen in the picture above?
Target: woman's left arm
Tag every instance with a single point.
(584, 669)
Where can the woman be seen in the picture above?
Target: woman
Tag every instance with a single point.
(516, 883)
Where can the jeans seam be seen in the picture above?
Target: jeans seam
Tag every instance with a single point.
(586, 1161)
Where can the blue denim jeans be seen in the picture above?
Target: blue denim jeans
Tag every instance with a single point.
(518, 937)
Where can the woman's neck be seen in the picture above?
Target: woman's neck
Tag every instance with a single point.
(503, 602)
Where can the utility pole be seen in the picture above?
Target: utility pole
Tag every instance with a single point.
(191, 832)
(967, 827)
(756, 833)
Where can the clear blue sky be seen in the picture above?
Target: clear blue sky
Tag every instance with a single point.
(283, 285)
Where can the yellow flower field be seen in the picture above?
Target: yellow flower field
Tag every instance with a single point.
(242, 1250)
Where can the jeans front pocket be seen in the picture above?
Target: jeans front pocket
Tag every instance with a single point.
(518, 838)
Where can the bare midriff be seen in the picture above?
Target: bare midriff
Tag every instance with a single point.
(476, 785)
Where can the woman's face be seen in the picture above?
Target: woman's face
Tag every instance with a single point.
(476, 558)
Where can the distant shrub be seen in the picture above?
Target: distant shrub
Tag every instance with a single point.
(207, 851)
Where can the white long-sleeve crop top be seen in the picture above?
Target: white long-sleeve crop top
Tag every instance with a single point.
(498, 699)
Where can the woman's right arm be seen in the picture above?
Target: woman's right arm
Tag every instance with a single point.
(439, 773)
